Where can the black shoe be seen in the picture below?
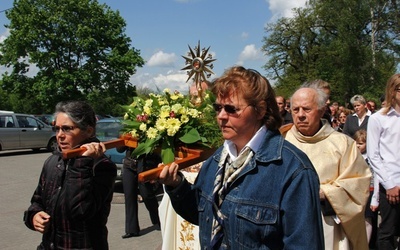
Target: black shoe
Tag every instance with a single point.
(157, 227)
(130, 235)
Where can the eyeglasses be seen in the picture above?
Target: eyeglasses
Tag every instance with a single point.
(64, 128)
(230, 109)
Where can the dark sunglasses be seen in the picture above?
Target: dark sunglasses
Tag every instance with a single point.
(64, 128)
(230, 109)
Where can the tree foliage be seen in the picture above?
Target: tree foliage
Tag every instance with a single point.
(68, 49)
(352, 44)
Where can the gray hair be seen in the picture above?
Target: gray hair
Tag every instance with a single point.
(358, 98)
(322, 96)
(80, 112)
(318, 83)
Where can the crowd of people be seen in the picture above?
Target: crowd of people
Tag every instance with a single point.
(378, 150)
(316, 184)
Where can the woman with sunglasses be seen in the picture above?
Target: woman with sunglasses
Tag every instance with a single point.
(257, 191)
(72, 201)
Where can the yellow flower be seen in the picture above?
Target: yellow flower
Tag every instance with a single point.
(184, 119)
(193, 113)
(162, 102)
(175, 97)
(147, 110)
(143, 127)
(134, 133)
(148, 102)
(173, 126)
(152, 133)
(177, 108)
(164, 111)
(161, 124)
(126, 116)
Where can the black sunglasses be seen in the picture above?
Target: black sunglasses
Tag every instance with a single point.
(63, 128)
(230, 109)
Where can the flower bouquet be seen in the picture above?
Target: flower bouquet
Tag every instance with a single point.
(168, 120)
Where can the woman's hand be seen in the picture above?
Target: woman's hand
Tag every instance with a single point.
(94, 149)
(374, 208)
(41, 222)
(169, 175)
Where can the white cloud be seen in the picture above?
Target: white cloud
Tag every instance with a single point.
(249, 53)
(281, 8)
(162, 59)
(174, 80)
(4, 35)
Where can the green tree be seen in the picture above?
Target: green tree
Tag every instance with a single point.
(67, 49)
(339, 41)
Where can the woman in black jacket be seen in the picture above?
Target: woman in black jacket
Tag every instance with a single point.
(72, 201)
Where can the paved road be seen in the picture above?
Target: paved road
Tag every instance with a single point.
(20, 171)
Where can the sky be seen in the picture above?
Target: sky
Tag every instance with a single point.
(163, 30)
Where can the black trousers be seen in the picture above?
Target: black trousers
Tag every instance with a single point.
(389, 227)
(148, 193)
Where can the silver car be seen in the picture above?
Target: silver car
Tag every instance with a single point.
(108, 129)
(23, 131)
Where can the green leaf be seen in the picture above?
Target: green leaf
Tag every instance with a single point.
(145, 147)
(167, 151)
(191, 136)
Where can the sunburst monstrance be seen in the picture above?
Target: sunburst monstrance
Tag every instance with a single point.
(198, 64)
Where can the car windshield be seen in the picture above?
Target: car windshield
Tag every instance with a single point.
(106, 131)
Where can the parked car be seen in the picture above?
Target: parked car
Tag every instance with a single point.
(46, 118)
(108, 129)
(24, 131)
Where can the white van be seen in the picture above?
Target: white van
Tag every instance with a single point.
(23, 131)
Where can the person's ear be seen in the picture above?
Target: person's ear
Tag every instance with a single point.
(260, 114)
(322, 112)
(90, 131)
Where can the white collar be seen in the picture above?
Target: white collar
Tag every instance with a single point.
(254, 143)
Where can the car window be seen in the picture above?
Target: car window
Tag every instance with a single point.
(32, 122)
(7, 121)
(22, 121)
(27, 121)
(107, 130)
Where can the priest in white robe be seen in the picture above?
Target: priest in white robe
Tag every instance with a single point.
(344, 174)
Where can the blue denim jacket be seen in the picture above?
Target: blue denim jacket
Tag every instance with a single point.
(273, 204)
